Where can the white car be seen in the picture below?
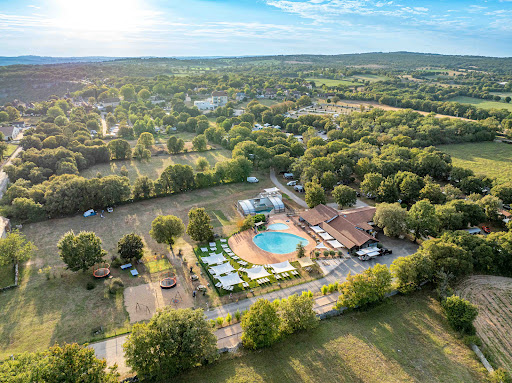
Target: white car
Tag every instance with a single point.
(291, 183)
(252, 180)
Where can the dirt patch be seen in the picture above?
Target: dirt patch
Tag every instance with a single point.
(143, 301)
(493, 296)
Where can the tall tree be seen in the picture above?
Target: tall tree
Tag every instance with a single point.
(260, 325)
(146, 139)
(315, 194)
(422, 219)
(166, 228)
(172, 342)
(392, 218)
(130, 246)
(199, 225)
(82, 251)
(344, 196)
(297, 314)
(15, 248)
(175, 144)
(119, 149)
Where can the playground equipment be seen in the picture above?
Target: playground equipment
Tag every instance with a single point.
(101, 270)
(168, 281)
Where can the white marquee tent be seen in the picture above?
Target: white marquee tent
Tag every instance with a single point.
(214, 259)
(222, 269)
(317, 229)
(282, 267)
(325, 236)
(230, 280)
(335, 244)
(257, 272)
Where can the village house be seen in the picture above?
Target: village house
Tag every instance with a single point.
(352, 229)
(219, 98)
(10, 132)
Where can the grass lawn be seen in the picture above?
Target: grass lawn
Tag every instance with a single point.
(329, 82)
(493, 159)
(370, 77)
(6, 275)
(10, 150)
(155, 264)
(156, 165)
(56, 306)
(484, 104)
(406, 339)
(502, 94)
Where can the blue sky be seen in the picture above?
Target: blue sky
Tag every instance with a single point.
(257, 27)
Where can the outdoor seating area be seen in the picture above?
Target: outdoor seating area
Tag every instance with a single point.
(231, 273)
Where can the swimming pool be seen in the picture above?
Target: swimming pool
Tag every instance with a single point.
(278, 243)
(278, 226)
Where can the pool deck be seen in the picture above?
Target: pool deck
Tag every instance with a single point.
(243, 245)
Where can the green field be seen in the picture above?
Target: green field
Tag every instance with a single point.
(493, 159)
(502, 94)
(406, 339)
(484, 104)
(55, 306)
(156, 165)
(370, 77)
(10, 150)
(329, 82)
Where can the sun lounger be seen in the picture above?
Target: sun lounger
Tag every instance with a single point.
(127, 266)
(204, 249)
(134, 272)
(218, 284)
(223, 240)
(212, 244)
(225, 246)
(245, 284)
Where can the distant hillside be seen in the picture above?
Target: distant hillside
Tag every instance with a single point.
(42, 60)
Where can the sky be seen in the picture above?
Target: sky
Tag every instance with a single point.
(253, 27)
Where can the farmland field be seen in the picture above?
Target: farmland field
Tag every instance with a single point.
(493, 296)
(406, 339)
(329, 82)
(55, 306)
(370, 77)
(493, 159)
(484, 104)
(156, 165)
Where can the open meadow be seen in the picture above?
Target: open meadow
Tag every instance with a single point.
(156, 164)
(406, 339)
(493, 296)
(329, 82)
(53, 305)
(493, 159)
(484, 104)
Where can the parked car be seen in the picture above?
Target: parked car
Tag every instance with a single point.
(506, 207)
(385, 251)
(486, 229)
(299, 188)
(288, 175)
(252, 180)
(291, 183)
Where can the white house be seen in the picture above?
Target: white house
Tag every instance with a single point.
(219, 98)
(10, 132)
(204, 105)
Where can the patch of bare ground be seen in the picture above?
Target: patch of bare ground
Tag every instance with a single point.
(493, 296)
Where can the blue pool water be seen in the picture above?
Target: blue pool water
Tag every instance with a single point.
(278, 226)
(278, 243)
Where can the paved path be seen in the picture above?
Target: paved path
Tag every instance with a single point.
(4, 180)
(281, 187)
(229, 336)
(103, 124)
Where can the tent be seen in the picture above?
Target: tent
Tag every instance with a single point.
(222, 269)
(321, 246)
(325, 236)
(257, 272)
(305, 262)
(282, 267)
(89, 213)
(214, 259)
(230, 280)
(335, 244)
(317, 229)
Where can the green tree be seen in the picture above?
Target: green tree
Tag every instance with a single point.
(260, 325)
(127, 91)
(130, 247)
(144, 187)
(144, 94)
(119, 149)
(67, 363)
(422, 219)
(55, 112)
(315, 194)
(371, 183)
(247, 223)
(297, 314)
(411, 271)
(4, 116)
(300, 250)
(166, 228)
(175, 145)
(82, 251)
(199, 226)
(202, 164)
(503, 192)
(433, 192)
(140, 152)
(172, 342)
(491, 206)
(368, 287)
(392, 218)
(344, 196)
(13, 113)
(199, 143)
(460, 314)
(15, 248)
(448, 257)
(146, 139)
